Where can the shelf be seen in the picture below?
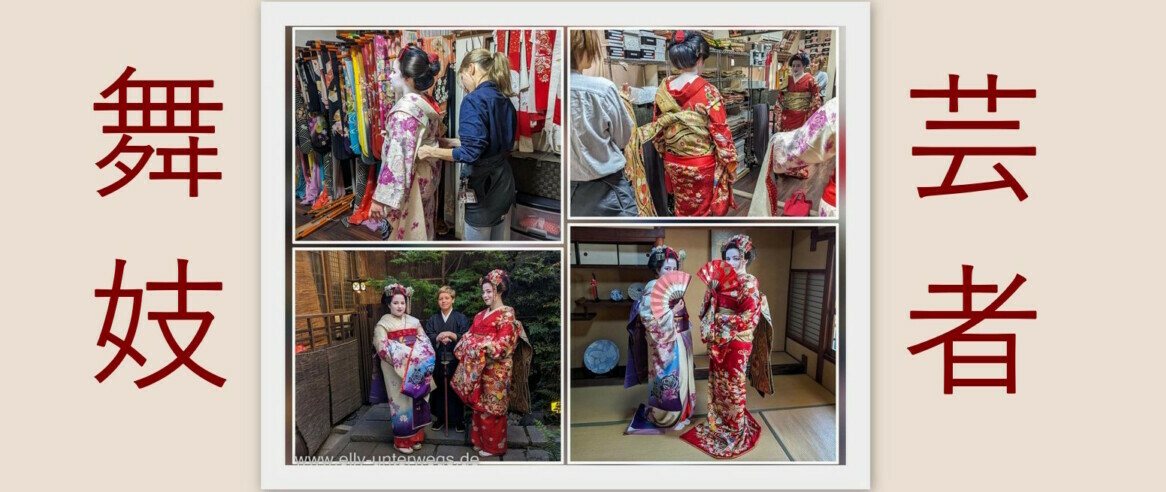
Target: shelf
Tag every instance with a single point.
(583, 301)
(635, 61)
(605, 267)
(583, 316)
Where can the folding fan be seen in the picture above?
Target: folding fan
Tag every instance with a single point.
(719, 275)
(669, 287)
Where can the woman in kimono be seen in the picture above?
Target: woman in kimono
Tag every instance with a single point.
(736, 327)
(407, 183)
(800, 97)
(792, 153)
(689, 130)
(660, 352)
(494, 367)
(407, 365)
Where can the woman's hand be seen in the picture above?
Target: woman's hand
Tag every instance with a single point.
(679, 308)
(378, 211)
(425, 152)
(626, 90)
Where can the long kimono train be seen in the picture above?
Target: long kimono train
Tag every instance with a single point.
(406, 184)
(700, 158)
(407, 362)
(738, 330)
(492, 376)
(660, 351)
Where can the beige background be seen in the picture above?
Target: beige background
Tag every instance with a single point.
(1086, 415)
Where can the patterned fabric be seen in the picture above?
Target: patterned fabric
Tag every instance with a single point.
(792, 153)
(700, 158)
(797, 101)
(489, 432)
(671, 385)
(407, 365)
(728, 319)
(360, 88)
(484, 373)
(405, 184)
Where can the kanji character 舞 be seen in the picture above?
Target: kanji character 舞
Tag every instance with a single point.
(169, 107)
(953, 94)
(973, 318)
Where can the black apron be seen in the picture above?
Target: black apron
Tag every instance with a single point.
(493, 185)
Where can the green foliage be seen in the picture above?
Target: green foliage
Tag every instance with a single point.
(553, 441)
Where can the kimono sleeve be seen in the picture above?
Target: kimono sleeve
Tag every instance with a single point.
(501, 346)
(725, 153)
(380, 341)
(661, 331)
(430, 329)
(397, 160)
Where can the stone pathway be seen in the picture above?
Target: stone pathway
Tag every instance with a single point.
(368, 436)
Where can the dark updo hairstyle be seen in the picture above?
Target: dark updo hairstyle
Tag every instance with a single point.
(686, 48)
(660, 255)
(419, 66)
(732, 244)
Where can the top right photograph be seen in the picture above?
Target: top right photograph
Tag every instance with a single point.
(703, 123)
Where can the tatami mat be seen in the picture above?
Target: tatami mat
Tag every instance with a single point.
(807, 433)
(608, 443)
(611, 404)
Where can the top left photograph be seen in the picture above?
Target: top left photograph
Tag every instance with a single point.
(425, 135)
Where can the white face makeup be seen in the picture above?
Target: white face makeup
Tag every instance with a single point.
(733, 256)
(397, 79)
(669, 266)
(397, 305)
(488, 294)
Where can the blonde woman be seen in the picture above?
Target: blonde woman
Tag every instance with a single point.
(487, 124)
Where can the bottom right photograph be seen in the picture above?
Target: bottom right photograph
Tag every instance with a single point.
(702, 344)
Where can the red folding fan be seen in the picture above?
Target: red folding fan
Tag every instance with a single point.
(719, 275)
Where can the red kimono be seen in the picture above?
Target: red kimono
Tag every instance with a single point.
(797, 101)
(702, 185)
(484, 376)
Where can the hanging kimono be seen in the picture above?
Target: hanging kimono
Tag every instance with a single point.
(700, 158)
(407, 362)
(492, 375)
(407, 185)
(797, 101)
(729, 320)
(791, 153)
(531, 54)
(660, 349)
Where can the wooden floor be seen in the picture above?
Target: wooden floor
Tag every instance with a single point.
(339, 229)
(797, 424)
(814, 185)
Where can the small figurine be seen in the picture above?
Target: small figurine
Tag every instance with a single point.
(594, 288)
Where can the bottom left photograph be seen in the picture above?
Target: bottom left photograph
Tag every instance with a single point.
(426, 356)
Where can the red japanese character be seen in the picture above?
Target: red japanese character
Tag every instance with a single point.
(953, 94)
(128, 173)
(125, 346)
(959, 333)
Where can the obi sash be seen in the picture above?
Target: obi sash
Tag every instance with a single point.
(413, 360)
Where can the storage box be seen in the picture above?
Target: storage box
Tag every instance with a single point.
(536, 219)
(598, 254)
(634, 254)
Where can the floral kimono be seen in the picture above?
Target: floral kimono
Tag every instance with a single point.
(494, 364)
(700, 158)
(662, 350)
(729, 319)
(791, 154)
(406, 184)
(797, 101)
(407, 361)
